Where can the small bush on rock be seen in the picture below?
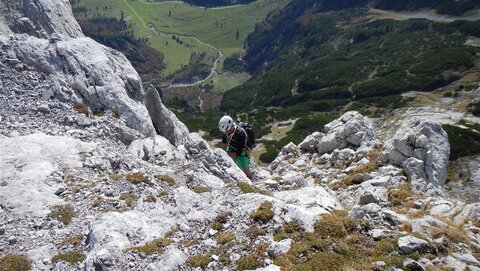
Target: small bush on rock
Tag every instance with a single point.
(226, 237)
(264, 213)
(15, 262)
(137, 178)
(72, 257)
(63, 213)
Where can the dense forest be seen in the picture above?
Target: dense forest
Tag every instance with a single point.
(320, 61)
(450, 7)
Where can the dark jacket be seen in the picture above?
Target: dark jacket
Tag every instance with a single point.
(236, 141)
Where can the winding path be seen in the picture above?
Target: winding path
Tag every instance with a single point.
(215, 63)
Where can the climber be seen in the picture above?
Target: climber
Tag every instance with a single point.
(234, 142)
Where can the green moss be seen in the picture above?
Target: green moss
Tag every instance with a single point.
(201, 189)
(154, 246)
(249, 262)
(15, 262)
(165, 178)
(137, 178)
(264, 213)
(199, 261)
(75, 241)
(226, 237)
(72, 257)
(63, 213)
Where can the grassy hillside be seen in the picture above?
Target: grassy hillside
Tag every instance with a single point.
(176, 24)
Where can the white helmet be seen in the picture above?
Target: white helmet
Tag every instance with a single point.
(225, 123)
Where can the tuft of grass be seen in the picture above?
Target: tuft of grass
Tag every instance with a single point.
(115, 113)
(151, 198)
(246, 188)
(264, 213)
(171, 232)
(249, 262)
(217, 226)
(63, 213)
(15, 262)
(188, 243)
(72, 257)
(289, 230)
(165, 178)
(337, 224)
(455, 234)
(201, 189)
(226, 237)
(398, 196)
(81, 108)
(162, 194)
(74, 241)
(155, 246)
(253, 232)
(98, 200)
(407, 227)
(129, 198)
(199, 261)
(137, 178)
(115, 177)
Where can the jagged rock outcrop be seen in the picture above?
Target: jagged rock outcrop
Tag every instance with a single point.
(165, 122)
(351, 129)
(422, 149)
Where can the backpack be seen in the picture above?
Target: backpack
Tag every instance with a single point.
(250, 134)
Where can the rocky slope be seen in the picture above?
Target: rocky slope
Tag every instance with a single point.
(96, 174)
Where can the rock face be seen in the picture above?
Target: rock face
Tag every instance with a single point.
(39, 18)
(422, 149)
(46, 36)
(409, 244)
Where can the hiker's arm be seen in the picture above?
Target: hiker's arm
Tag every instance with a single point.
(232, 154)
